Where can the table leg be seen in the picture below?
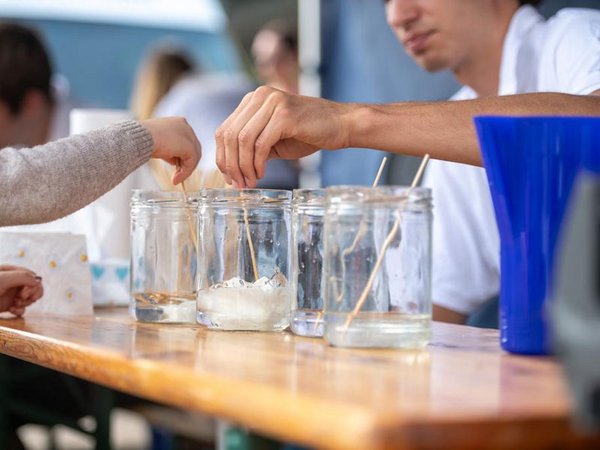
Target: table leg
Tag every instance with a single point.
(4, 379)
(103, 402)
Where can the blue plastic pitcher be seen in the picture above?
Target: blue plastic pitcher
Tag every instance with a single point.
(531, 164)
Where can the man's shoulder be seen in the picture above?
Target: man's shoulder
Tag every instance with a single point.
(568, 19)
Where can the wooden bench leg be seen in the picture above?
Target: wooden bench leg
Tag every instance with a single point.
(4, 416)
(103, 403)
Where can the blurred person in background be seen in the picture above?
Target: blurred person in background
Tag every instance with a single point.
(496, 49)
(275, 53)
(159, 72)
(42, 181)
(207, 99)
(26, 108)
(163, 67)
(26, 95)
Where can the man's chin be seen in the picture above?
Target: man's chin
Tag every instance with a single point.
(430, 64)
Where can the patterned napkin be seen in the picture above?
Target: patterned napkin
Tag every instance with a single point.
(61, 260)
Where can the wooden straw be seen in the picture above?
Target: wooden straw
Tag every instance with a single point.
(197, 180)
(189, 214)
(386, 244)
(379, 172)
(250, 244)
(361, 231)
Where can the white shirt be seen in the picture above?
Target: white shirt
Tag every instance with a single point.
(205, 101)
(561, 54)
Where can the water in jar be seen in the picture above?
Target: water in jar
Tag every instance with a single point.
(308, 211)
(245, 260)
(164, 244)
(377, 276)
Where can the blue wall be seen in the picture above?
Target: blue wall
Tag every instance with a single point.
(364, 62)
(100, 60)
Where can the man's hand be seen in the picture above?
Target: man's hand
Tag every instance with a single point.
(19, 288)
(176, 143)
(270, 123)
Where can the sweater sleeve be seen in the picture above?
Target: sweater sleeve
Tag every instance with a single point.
(53, 180)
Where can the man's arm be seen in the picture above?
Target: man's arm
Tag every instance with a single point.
(442, 314)
(274, 124)
(445, 130)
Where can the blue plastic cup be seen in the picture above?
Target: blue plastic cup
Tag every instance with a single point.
(531, 165)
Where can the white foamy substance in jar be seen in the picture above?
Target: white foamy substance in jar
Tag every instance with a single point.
(236, 304)
(184, 312)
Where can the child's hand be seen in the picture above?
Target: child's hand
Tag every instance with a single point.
(175, 142)
(19, 288)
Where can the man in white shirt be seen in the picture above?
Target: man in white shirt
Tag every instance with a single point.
(493, 47)
(534, 55)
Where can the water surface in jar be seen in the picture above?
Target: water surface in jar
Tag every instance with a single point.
(378, 329)
(165, 307)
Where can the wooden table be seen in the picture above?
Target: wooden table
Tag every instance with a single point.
(461, 392)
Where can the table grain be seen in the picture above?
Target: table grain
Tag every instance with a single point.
(462, 391)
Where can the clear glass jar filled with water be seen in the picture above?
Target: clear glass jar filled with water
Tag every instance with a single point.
(164, 246)
(308, 215)
(377, 267)
(245, 259)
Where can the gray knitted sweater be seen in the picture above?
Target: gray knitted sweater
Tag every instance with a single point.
(49, 181)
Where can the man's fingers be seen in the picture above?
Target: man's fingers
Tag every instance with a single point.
(221, 159)
(234, 137)
(270, 136)
(248, 139)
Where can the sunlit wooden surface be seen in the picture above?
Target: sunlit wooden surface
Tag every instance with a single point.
(461, 392)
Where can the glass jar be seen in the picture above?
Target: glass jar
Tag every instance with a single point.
(308, 213)
(377, 274)
(164, 245)
(245, 259)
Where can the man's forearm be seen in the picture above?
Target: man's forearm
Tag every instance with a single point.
(446, 130)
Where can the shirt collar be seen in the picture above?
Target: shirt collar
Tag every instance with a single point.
(523, 21)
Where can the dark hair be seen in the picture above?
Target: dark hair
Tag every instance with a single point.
(24, 65)
(286, 31)
(530, 2)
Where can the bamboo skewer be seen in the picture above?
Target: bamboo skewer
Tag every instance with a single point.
(361, 230)
(384, 248)
(197, 180)
(250, 245)
(189, 215)
(379, 172)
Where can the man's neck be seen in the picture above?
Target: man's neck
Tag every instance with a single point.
(481, 72)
